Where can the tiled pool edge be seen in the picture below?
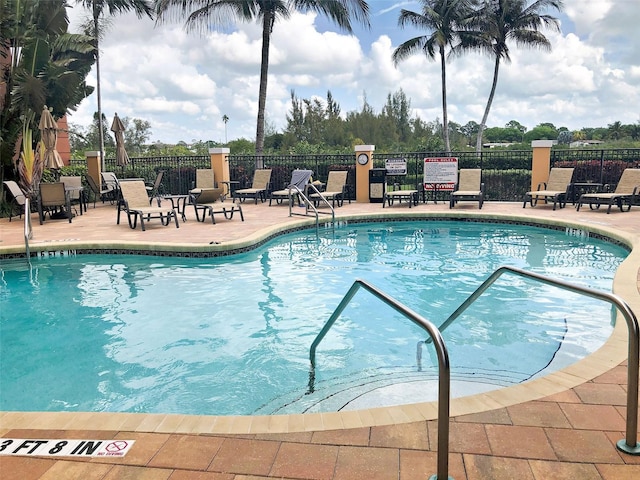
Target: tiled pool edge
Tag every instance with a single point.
(610, 355)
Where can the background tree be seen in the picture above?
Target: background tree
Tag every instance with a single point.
(497, 23)
(98, 8)
(43, 64)
(440, 18)
(204, 13)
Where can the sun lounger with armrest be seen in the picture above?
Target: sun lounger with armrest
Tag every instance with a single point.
(627, 192)
(555, 188)
(211, 200)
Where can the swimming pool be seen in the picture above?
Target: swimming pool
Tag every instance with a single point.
(149, 334)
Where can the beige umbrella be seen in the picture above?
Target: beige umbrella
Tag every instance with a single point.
(117, 127)
(49, 132)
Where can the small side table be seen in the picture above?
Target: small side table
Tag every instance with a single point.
(578, 188)
(178, 202)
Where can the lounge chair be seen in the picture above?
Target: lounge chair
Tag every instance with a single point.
(626, 194)
(210, 201)
(335, 190)
(110, 187)
(204, 179)
(154, 188)
(259, 188)
(55, 201)
(96, 191)
(555, 188)
(135, 203)
(410, 195)
(18, 198)
(299, 181)
(469, 187)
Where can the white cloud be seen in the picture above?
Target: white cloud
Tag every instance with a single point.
(182, 83)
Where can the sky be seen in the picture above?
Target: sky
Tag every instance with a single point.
(184, 83)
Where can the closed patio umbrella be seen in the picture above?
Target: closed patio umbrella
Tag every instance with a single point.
(49, 132)
(117, 127)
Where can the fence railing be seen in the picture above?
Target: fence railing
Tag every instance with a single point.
(505, 173)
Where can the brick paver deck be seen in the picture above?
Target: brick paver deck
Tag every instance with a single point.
(521, 434)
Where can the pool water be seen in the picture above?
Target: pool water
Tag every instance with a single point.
(231, 335)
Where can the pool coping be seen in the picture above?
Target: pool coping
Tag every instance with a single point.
(611, 354)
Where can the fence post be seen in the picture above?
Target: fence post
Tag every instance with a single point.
(540, 162)
(362, 171)
(94, 166)
(220, 165)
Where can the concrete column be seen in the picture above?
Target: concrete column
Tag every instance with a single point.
(541, 162)
(94, 166)
(220, 166)
(362, 172)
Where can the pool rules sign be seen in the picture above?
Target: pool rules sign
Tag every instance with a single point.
(36, 447)
(440, 173)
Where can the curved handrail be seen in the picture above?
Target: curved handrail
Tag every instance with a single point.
(308, 203)
(444, 367)
(630, 443)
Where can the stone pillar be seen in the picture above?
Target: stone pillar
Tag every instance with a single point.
(541, 162)
(220, 166)
(94, 166)
(362, 171)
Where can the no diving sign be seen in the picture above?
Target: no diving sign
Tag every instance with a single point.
(64, 448)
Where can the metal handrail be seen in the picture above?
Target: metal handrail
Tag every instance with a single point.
(444, 367)
(309, 204)
(630, 444)
(28, 229)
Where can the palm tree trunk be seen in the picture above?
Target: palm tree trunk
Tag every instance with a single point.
(96, 14)
(486, 110)
(445, 120)
(267, 25)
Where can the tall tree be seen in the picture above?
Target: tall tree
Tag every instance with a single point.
(497, 23)
(203, 13)
(98, 8)
(441, 19)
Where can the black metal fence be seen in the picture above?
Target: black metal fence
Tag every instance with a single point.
(506, 173)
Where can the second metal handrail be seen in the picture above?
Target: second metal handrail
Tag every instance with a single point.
(630, 444)
(444, 367)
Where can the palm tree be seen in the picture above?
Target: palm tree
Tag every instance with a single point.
(203, 13)
(498, 22)
(225, 119)
(441, 19)
(111, 7)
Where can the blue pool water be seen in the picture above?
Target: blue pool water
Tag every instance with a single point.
(231, 335)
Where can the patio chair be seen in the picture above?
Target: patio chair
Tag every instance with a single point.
(335, 190)
(469, 187)
(626, 194)
(54, 200)
(135, 203)
(154, 188)
(299, 181)
(555, 188)
(259, 188)
(209, 201)
(73, 187)
(204, 179)
(18, 198)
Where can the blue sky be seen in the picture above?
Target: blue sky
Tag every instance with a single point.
(184, 83)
